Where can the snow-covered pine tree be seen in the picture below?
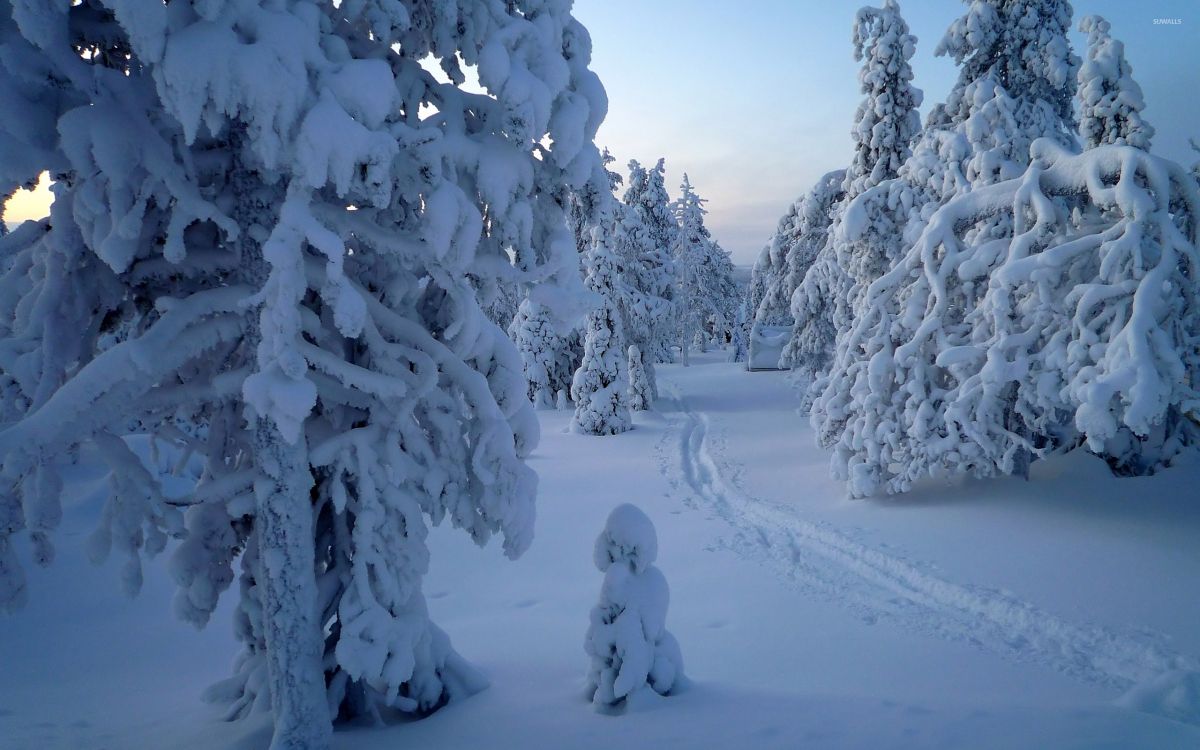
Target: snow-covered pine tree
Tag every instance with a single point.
(768, 295)
(266, 221)
(825, 271)
(643, 310)
(811, 301)
(551, 352)
(601, 384)
(548, 356)
(1016, 84)
(629, 646)
(887, 120)
(689, 253)
(1023, 46)
(1109, 100)
(762, 274)
(646, 196)
(1074, 333)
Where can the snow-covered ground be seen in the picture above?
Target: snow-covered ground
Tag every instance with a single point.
(1000, 614)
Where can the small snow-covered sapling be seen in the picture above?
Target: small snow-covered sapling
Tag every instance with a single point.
(627, 640)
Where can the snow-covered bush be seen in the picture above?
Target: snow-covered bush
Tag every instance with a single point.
(977, 353)
(601, 384)
(627, 641)
(1110, 101)
(269, 225)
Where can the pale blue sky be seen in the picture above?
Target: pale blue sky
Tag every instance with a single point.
(754, 99)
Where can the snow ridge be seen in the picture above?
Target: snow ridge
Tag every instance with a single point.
(877, 584)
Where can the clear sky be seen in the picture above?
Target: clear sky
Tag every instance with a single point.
(754, 99)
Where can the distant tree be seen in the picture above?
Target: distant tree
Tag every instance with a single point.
(646, 290)
(655, 273)
(601, 384)
(706, 293)
(548, 356)
(887, 119)
(1109, 100)
(641, 391)
(812, 279)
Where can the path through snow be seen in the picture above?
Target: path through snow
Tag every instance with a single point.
(822, 560)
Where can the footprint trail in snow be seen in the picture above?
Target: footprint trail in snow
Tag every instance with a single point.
(878, 585)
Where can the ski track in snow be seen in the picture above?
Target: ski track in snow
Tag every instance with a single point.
(879, 585)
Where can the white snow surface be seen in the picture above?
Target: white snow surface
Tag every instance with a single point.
(1058, 613)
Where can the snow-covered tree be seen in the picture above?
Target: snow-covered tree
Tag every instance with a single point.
(706, 293)
(646, 293)
(628, 644)
(818, 285)
(601, 384)
(268, 226)
(976, 353)
(887, 120)
(641, 387)
(1022, 45)
(655, 274)
(1110, 101)
(1016, 83)
(548, 355)
(811, 302)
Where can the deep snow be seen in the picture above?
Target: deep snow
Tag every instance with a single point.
(999, 614)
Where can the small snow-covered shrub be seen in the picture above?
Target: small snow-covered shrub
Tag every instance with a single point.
(627, 640)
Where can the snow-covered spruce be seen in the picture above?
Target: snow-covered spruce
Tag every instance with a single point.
(810, 303)
(1016, 83)
(1109, 100)
(825, 273)
(706, 295)
(549, 357)
(601, 384)
(646, 289)
(887, 120)
(799, 236)
(977, 353)
(267, 234)
(627, 640)
(1022, 45)
(654, 274)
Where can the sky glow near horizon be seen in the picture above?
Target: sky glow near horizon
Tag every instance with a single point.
(756, 104)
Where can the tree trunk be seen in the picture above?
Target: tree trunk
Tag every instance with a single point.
(287, 581)
(289, 593)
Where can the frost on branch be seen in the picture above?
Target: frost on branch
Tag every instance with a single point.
(976, 353)
(629, 645)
